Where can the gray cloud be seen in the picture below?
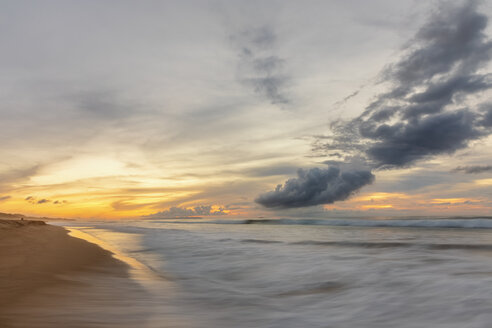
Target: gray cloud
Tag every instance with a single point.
(425, 112)
(101, 104)
(316, 186)
(266, 171)
(175, 212)
(4, 198)
(259, 67)
(403, 144)
(487, 117)
(473, 169)
(36, 201)
(347, 98)
(18, 174)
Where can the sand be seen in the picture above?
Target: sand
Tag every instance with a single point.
(34, 255)
(46, 274)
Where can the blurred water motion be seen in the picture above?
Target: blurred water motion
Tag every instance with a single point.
(421, 273)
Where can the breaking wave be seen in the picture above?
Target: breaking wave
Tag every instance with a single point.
(464, 223)
(467, 223)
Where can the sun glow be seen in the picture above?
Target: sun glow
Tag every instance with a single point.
(380, 196)
(451, 201)
(79, 169)
(383, 206)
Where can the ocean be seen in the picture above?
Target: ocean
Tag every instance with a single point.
(357, 272)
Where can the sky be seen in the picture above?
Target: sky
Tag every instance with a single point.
(149, 109)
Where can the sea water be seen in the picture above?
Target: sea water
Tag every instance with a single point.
(376, 272)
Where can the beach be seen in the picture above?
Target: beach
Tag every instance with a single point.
(51, 279)
(313, 273)
(246, 164)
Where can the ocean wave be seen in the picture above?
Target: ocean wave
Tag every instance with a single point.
(383, 244)
(260, 241)
(466, 223)
(482, 247)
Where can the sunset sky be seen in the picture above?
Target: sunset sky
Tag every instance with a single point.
(122, 109)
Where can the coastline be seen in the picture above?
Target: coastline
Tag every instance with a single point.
(47, 277)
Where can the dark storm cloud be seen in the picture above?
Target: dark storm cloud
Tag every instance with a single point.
(474, 169)
(175, 212)
(402, 144)
(425, 112)
(316, 186)
(259, 67)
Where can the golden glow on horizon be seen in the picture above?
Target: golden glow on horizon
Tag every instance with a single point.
(108, 187)
(451, 200)
(380, 196)
(98, 186)
(367, 207)
(397, 203)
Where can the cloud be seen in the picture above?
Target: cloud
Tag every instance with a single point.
(425, 112)
(36, 201)
(10, 176)
(4, 198)
(473, 169)
(402, 144)
(259, 67)
(487, 117)
(347, 98)
(101, 104)
(316, 186)
(266, 171)
(125, 205)
(176, 212)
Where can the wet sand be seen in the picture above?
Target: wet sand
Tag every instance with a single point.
(51, 279)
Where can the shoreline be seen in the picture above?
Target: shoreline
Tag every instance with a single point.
(43, 270)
